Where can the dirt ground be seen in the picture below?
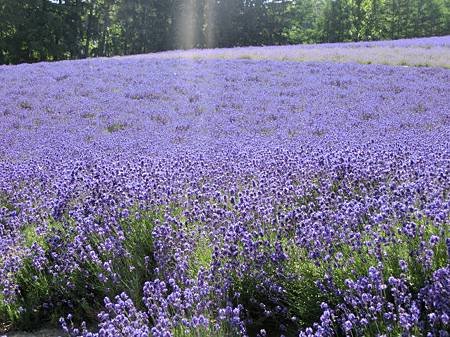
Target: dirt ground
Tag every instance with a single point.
(40, 333)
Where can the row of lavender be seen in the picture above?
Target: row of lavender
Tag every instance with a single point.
(221, 198)
(429, 52)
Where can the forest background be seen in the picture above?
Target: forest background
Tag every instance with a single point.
(46, 30)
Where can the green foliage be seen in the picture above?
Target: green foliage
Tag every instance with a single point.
(71, 29)
(42, 295)
(138, 242)
(86, 291)
(8, 314)
(224, 330)
(209, 331)
(302, 275)
(406, 249)
(304, 21)
(303, 296)
(201, 257)
(5, 201)
(116, 127)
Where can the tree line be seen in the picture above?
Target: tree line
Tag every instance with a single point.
(38, 30)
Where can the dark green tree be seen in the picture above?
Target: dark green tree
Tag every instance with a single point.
(37, 30)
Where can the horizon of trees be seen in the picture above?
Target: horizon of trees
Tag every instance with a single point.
(45, 30)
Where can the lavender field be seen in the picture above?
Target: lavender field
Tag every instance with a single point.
(419, 52)
(194, 196)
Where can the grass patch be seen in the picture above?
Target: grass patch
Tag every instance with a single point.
(25, 105)
(245, 57)
(5, 201)
(88, 115)
(201, 257)
(116, 127)
(220, 330)
(8, 315)
(136, 268)
(303, 296)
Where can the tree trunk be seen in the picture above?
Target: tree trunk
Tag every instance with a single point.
(88, 31)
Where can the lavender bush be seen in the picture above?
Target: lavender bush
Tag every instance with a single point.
(166, 197)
